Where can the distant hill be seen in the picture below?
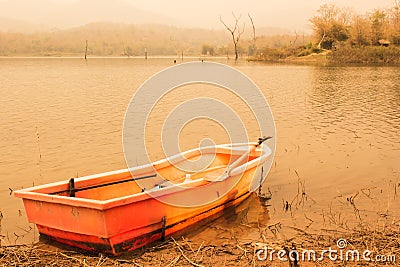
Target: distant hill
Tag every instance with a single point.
(113, 39)
(121, 39)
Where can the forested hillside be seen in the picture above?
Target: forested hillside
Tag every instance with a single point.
(108, 39)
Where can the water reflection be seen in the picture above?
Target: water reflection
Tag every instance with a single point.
(364, 101)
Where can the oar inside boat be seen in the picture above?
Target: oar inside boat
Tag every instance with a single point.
(237, 162)
(71, 185)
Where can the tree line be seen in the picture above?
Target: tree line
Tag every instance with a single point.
(112, 39)
(333, 25)
(373, 37)
(127, 40)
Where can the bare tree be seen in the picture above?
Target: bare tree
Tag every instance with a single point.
(322, 39)
(235, 32)
(254, 33)
(127, 50)
(292, 43)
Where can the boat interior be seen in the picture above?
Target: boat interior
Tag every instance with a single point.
(196, 168)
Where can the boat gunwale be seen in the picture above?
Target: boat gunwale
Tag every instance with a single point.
(29, 194)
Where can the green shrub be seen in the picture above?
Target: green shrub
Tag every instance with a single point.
(316, 50)
(308, 51)
(304, 53)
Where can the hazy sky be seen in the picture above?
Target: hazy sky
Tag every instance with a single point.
(289, 14)
(285, 13)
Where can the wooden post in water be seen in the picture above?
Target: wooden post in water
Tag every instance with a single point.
(86, 49)
(182, 55)
(145, 53)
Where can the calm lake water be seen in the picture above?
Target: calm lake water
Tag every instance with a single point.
(338, 128)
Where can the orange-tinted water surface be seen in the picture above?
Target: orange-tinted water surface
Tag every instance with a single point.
(338, 128)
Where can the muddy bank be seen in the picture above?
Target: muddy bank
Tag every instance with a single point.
(231, 251)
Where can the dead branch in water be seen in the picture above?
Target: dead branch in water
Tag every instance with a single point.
(86, 49)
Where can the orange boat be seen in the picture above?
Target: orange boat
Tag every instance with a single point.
(126, 209)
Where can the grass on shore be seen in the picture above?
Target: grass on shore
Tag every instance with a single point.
(366, 55)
